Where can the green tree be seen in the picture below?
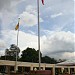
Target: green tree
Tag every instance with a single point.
(13, 49)
(6, 58)
(47, 59)
(10, 54)
(30, 55)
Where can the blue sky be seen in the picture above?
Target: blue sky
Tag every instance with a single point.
(56, 26)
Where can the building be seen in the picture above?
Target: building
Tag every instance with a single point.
(67, 66)
(9, 66)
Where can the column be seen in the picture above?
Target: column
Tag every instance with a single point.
(53, 70)
(62, 69)
(6, 69)
(44, 68)
(31, 67)
(22, 69)
(74, 69)
(69, 70)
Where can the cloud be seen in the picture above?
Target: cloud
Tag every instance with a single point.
(4, 4)
(69, 54)
(29, 16)
(54, 44)
(28, 40)
(56, 15)
(60, 14)
(7, 13)
(2, 52)
(25, 39)
(7, 4)
(2, 44)
(59, 17)
(31, 9)
(31, 32)
(58, 43)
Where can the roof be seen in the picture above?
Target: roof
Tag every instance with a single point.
(26, 64)
(67, 63)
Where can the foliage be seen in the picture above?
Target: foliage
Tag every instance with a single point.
(7, 58)
(13, 49)
(10, 54)
(61, 60)
(30, 55)
(47, 59)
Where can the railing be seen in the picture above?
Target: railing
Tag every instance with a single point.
(42, 72)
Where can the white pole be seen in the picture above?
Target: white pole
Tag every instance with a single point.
(17, 46)
(38, 34)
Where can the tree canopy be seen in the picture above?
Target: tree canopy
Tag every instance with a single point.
(47, 59)
(30, 55)
(27, 55)
(10, 54)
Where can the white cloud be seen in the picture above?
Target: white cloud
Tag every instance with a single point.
(7, 19)
(7, 13)
(31, 9)
(31, 32)
(25, 39)
(56, 15)
(61, 14)
(8, 4)
(69, 54)
(54, 44)
(2, 52)
(29, 16)
(2, 44)
(58, 43)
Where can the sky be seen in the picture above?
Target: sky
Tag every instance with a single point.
(57, 35)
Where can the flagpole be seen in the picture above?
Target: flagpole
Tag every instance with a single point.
(17, 46)
(18, 31)
(38, 35)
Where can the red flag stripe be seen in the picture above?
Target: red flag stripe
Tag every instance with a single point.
(42, 2)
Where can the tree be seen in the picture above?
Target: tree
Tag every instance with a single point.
(61, 60)
(6, 58)
(13, 50)
(10, 54)
(30, 55)
(47, 59)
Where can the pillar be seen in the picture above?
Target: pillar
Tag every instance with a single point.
(69, 70)
(74, 69)
(15, 68)
(22, 69)
(62, 69)
(44, 68)
(6, 69)
(31, 67)
(53, 70)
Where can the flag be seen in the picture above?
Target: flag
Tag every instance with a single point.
(17, 26)
(42, 2)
